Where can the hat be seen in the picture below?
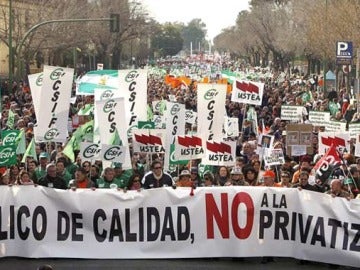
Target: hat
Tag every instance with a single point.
(44, 155)
(269, 173)
(185, 172)
(236, 170)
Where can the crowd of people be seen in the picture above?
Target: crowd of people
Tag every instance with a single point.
(54, 169)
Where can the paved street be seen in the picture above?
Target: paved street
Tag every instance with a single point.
(175, 264)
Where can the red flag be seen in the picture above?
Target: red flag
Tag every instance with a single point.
(325, 166)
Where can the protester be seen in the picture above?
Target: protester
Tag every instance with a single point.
(209, 179)
(156, 177)
(184, 179)
(81, 179)
(51, 180)
(108, 179)
(40, 171)
(222, 176)
(236, 178)
(24, 178)
(135, 182)
(303, 182)
(336, 190)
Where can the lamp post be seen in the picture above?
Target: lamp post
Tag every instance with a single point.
(11, 66)
(36, 26)
(325, 60)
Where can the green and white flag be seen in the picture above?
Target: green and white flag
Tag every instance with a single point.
(21, 143)
(97, 79)
(11, 119)
(115, 139)
(80, 134)
(88, 109)
(7, 155)
(9, 137)
(30, 151)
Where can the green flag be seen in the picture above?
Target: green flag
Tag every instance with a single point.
(30, 151)
(162, 107)
(146, 125)
(88, 109)
(11, 119)
(7, 155)
(69, 149)
(84, 132)
(172, 160)
(9, 137)
(150, 114)
(21, 143)
(87, 131)
(115, 138)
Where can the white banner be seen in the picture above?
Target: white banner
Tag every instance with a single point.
(276, 157)
(110, 112)
(175, 125)
(169, 223)
(133, 87)
(247, 92)
(188, 148)
(35, 83)
(318, 118)
(190, 117)
(149, 140)
(354, 129)
(113, 153)
(211, 110)
(231, 127)
(159, 121)
(291, 113)
(218, 153)
(335, 126)
(55, 95)
(89, 151)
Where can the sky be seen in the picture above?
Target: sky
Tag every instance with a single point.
(217, 15)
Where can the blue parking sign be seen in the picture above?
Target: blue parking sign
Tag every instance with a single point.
(344, 52)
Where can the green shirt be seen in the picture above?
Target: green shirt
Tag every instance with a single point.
(124, 178)
(102, 183)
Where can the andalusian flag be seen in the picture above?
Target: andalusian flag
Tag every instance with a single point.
(97, 79)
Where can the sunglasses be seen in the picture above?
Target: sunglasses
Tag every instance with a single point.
(157, 168)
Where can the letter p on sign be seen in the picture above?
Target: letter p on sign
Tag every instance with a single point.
(344, 49)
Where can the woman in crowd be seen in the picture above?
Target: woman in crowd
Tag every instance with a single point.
(24, 178)
(250, 175)
(222, 175)
(14, 171)
(135, 182)
(209, 179)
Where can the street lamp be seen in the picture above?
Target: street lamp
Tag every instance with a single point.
(11, 53)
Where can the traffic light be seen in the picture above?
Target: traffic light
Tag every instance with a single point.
(114, 23)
